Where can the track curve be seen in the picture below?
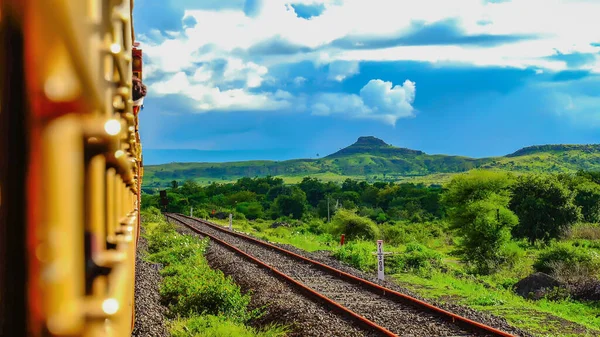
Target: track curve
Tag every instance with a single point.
(381, 309)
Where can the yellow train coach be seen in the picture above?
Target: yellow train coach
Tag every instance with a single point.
(70, 167)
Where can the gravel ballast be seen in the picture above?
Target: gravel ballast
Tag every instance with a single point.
(400, 318)
(478, 316)
(282, 303)
(149, 313)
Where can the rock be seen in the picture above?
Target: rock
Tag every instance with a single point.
(586, 291)
(535, 286)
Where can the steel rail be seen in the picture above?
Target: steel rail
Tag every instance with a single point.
(302, 287)
(386, 292)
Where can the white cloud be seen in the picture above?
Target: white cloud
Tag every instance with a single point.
(210, 61)
(209, 98)
(340, 70)
(227, 31)
(377, 100)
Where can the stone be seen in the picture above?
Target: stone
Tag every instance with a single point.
(536, 285)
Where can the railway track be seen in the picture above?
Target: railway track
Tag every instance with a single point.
(376, 308)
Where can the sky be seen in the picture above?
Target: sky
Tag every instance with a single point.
(275, 79)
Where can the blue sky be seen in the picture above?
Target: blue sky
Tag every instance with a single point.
(274, 79)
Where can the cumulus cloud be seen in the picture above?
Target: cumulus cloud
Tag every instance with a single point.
(222, 51)
(270, 31)
(378, 100)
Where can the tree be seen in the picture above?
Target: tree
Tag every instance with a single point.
(292, 202)
(477, 209)
(252, 210)
(174, 184)
(314, 189)
(545, 207)
(588, 198)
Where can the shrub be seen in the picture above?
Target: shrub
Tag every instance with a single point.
(562, 259)
(153, 210)
(316, 226)
(194, 288)
(252, 210)
(586, 231)
(358, 254)
(190, 286)
(416, 257)
(395, 235)
(511, 254)
(200, 213)
(354, 226)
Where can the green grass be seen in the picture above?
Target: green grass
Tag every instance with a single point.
(533, 316)
(437, 275)
(201, 301)
(284, 235)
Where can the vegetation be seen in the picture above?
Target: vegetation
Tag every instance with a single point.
(478, 211)
(545, 206)
(467, 242)
(202, 301)
(371, 159)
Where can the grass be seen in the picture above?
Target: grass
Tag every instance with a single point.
(201, 301)
(424, 264)
(294, 236)
(533, 316)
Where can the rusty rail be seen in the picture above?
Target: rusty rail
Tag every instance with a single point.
(386, 292)
(338, 306)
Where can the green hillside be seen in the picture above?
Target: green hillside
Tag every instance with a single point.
(372, 159)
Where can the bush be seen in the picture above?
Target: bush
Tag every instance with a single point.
(194, 288)
(358, 254)
(416, 257)
(252, 210)
(153, 210)
(317, 227)
(561, 258)
(354, 226)
(200, 213)
(190, 286)
(511, 254)
(586, 231)
(395, 235)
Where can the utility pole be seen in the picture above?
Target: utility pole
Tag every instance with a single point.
(328, 209)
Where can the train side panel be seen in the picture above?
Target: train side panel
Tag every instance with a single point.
(70, 168)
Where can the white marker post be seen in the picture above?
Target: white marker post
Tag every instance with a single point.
(230, 221)
(380, 274)
(191, 212)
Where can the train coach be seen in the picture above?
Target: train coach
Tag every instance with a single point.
(70, 167)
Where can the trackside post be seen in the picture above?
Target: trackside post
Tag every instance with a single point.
(380, 273)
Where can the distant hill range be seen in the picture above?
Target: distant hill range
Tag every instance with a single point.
(372, 159)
